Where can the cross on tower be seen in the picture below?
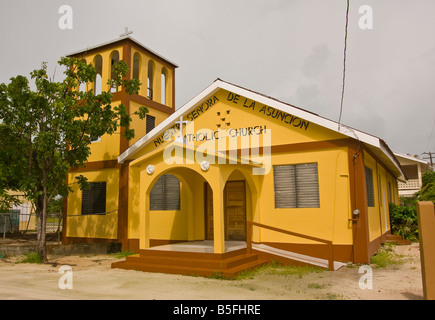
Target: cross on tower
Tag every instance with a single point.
(126, 32)
(181, 122)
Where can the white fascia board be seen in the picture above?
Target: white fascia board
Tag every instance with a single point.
(393, 159)
(410, 158)
(119, 40)
(324, 122)
(219, 84)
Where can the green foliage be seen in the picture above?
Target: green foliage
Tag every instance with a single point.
(427, 192)
(386, 257)
(55, 206)
(403, 220)
(32, 257)
(123, 254)
(47, 130)
(276, 268)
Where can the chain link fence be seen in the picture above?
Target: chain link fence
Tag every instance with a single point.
(20, 223)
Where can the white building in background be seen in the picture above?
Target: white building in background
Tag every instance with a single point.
(414, 169)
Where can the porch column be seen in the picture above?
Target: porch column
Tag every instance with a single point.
(218, 218)
(144, 216)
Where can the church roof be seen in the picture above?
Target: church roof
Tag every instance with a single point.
(375, 144)
(115, 42)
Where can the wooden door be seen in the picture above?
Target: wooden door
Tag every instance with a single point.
(235, 210)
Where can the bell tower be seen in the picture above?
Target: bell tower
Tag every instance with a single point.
(157, 93)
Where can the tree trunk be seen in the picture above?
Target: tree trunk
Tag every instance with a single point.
(41, 213)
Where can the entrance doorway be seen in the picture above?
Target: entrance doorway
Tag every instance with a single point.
(234, 211)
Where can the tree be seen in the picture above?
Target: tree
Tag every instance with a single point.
(45, 131)
(427, 192)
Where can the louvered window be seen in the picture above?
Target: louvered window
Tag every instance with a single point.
(94, 198)
(296, 186)
(150, 123)
(165, 194)
(369, 187)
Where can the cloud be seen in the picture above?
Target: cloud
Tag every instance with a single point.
(315, 63)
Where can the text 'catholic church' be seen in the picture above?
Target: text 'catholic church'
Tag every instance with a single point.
(229, 181)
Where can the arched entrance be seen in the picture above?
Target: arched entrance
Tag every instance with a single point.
(235, 202)
(235, 210)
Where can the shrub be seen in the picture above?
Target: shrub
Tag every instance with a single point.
(403, 221)
(427, 192)
(32, 257)
(386, 257)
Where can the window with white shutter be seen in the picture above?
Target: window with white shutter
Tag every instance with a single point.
(94, 198)
(165, 195)
(296, 186)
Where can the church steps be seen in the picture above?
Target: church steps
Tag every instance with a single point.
(193, 262)
(199, 255)
(397, 239)
(188, 264)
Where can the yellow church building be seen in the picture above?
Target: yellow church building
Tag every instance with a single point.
(228, 181)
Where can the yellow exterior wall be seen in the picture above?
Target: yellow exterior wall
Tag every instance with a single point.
(139, 125)
(330, 220)
(108, 147)
(184, 224)
(94, 226)
(242, 115)
(379, 215)
(105, 149)
(383, 200)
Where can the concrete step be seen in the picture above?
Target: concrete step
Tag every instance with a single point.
(191, 264)
(397, 239)
(188, 260)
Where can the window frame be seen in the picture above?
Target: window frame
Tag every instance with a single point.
(93, 194)
(163, 204)
(294, 177)
(370, 187)
(149, 118)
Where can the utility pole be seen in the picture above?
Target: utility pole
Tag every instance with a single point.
(430, 158)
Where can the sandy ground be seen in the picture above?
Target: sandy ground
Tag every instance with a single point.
(92, 278)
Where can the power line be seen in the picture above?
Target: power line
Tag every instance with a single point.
(344, 64)
(430, 158)
(430, 136)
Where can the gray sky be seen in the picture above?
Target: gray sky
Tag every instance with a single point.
(289, 49)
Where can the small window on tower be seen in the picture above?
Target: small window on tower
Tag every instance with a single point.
(136, 66)
(150, 79)
(98, 83)
(82, 85)
(113, 61)
(164, 79)
(150, 123)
